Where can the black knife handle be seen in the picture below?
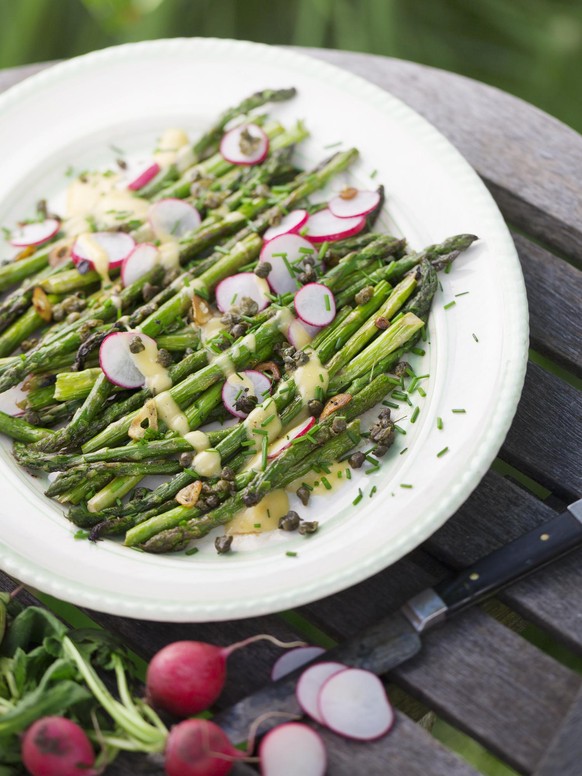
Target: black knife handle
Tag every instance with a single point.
(511, 562)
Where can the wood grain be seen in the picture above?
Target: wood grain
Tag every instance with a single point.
(565, 752)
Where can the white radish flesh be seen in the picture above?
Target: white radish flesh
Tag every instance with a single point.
(285, 254)
(289, 224)
(115, 245)
(300, 334)
(230, 291)
(323, 226)
(248, 382)
(173, 218)
(310, 684)
(353, 703)
(236, 149)
(144, 177)
(315, 304)
(285, 441)
(115, 359)
(294, 658)
(35, 234)
(140, 261)
(292, 749)
(362, 203)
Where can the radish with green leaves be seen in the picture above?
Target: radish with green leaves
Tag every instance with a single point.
(56, 746)
(198, 747)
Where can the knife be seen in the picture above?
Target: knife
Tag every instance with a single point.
(397, 637)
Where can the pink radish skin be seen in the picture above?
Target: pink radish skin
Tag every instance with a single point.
(315, 304)
(117, 246)
(198, 747)
(360, 205)
(230, 146)
(144, 177)
(140, 261)
(310, 684)
(35, 234)
(293, 659)
(292, 749)
(323, 226)
(353, 703)
(230, 391)
(187, 677)
(55, 746)
(294, 433)
(173, 218)
(290, 224)
(231, 290)
(116, 362)
(282, 252)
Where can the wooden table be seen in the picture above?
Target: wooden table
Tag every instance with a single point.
(477, 672)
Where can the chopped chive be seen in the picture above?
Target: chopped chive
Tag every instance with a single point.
(413, 384)
(256, 525)
(399, 395)
(448, 268)
(372, 470)
(81, 534)
(304, 231)
(424, 334)
(475, 338)
(290, 554)
(459, 412)
(323, 250)
(463, 293)
(390, 404)
(414, 415)
(399, 429)
(268, 420)
(442, 452)
(326, 483)
(358, 498)
(421, 391)
(404, 449)
(410, 372)
(306, 251)
(315, 483)
(221, 249)
(191, 551)
(373, 490)
(248, 443)
(353, 437)
(418, 351)
(319, 395)
(405, 485)
(264, 451)
(327, 303)
(261, 432)
(321, 378)
(373, 174)
(440, 424)
(397, 317)
(339, 475)
(348, 474)
(392, 380)
(372, 460)
(449, 305)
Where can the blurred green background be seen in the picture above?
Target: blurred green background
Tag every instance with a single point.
(531, 48)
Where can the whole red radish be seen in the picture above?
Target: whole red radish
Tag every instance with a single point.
(198, 747)
(55, 746)
(187, 677)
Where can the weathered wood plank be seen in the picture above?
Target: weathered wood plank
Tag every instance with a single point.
(565, 752)
(554, 292)
(545, 440)
(531, 162)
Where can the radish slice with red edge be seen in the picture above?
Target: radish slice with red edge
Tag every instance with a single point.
(353, 703)
(300, 334)
(173, 218)
(310, 684)
(315, 304)
(230, 291)
(144, 177)
(115, 359)
(284, 442)
(36, 233)
(285, 254)
(294, 658)
(140, 261)
(289, 224)
(253, 383)
(292, 749)
(323, 226)
(117, 246)
(362, 203)
(236, 148)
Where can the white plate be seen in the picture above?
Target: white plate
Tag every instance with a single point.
(70, 115)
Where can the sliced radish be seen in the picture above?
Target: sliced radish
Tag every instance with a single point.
(353, 703)
(294, 433)
(173, 218)
(315, 304)
(292, 749)
(294, 658)
(140, 261)
(144, 177)
(231, 290)
(362, 203)
(290, 224)
(36, 233)
(300, 334)
(90, 246)
(323, 226)
(250, 381)
(285, 253)
(115, 359)
(233, 145)
(310, 684)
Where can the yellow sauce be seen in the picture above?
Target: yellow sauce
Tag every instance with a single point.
(156, 376)
(95, 253)
(299, 334)
(169, 254)
(223, 362)
(320, 489)
(198, 439)
(207, 463)
(249, 342)
(169, 146)
(210, 329)
(310, 377)
(171, 414)
(99, 196)
(257, 419)
(262, 517)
